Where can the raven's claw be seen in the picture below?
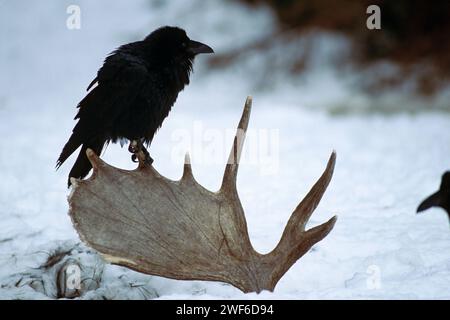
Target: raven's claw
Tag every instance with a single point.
(135, 148)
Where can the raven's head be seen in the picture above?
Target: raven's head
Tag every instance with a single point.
(445, 183)
(173, 42)
(440, 198)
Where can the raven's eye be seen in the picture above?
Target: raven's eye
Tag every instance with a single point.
(184, 44)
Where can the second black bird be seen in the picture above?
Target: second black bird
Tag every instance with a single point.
(440, 198)
(132, 94)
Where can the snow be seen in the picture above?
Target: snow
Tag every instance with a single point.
(387, 161)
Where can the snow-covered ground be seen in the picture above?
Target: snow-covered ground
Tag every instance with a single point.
(387, 163)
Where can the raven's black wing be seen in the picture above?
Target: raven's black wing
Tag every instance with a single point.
(120, 80)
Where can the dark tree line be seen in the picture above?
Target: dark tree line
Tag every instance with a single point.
(412, 31)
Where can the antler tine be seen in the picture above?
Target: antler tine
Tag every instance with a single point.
(295, 242)
(321, 231)
(74, 181)
(231, 169)
(290, 248)
(93, 159)
(95, 163)
(187, 171)
(303, 212)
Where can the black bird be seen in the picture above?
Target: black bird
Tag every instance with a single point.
(440, 198)
(135, 89)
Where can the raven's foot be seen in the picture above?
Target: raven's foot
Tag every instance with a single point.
(148, 160)
(135, 146)
(139, 153)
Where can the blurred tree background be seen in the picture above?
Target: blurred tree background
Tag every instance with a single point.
(415, 34)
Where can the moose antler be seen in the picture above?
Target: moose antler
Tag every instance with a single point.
(180, 230)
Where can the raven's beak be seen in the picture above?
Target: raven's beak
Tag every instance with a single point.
(196, 47)
(432, 201)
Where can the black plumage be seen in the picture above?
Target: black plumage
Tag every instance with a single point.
(132, 94)
(440, 198)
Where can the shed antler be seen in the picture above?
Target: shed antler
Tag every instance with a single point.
(180, 230)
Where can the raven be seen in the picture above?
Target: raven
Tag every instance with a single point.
(440, 198)
(132, 95)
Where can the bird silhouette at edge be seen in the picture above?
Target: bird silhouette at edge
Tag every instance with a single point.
(440, 198)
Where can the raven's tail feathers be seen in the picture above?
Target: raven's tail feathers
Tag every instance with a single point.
(74, 142)
(82, 165)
